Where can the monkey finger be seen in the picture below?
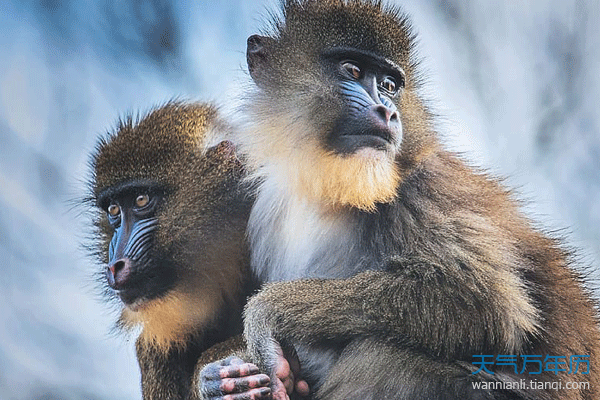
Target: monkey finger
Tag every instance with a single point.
(302, 388)
(254, 394)
(233, 360)
(280, 390)
(299, 385)
(288, 383)
(236, 371)
(284, 373)
(240, 385)
(216, 371)
(237, 388)
(212, 371)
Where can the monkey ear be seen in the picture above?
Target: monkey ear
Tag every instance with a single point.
(257, 56)
(223, 151)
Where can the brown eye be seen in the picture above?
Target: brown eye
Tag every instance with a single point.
(352, 69)
(114, 210)
(389, 84)
(142, 200)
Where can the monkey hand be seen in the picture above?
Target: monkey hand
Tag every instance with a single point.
(286, 374)
(233, 379)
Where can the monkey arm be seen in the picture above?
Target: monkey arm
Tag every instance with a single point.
(166, 372)
(414, 304)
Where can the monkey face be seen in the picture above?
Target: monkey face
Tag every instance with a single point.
(174, 251)
(348, 101)
(137, 270)
(368, 86)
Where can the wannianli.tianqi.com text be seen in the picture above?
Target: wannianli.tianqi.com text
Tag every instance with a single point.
(535, 364)
(532, 365)
(530, 384)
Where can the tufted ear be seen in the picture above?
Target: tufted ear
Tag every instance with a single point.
(258, 57)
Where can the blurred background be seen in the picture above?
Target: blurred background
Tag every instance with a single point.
(516, 84)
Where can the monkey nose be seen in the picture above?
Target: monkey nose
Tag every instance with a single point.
(386, 114)
(118, 273)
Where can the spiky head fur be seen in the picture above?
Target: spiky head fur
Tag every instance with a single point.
(151, 148)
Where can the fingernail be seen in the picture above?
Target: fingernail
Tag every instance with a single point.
(253, 369)
(265, 391)
(264, 380)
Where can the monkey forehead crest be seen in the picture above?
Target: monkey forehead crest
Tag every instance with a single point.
(159, 138)
(370, 25)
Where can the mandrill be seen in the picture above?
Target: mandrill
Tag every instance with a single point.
(170, 232)
(390, 262)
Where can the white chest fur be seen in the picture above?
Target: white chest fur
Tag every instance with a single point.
(291, 238)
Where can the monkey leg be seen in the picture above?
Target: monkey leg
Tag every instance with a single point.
(370, 370)
(166, 373)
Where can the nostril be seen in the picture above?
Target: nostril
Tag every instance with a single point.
(118, 273)
(385, 113)
(116, 267)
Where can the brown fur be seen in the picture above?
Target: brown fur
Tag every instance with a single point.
(200, 236)
(446, 268)
(169, 321)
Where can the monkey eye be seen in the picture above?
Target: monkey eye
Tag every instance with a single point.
(352, 69)
(142, 200)
(389, 85)
(114, 210)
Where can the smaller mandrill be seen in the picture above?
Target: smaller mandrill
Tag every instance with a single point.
(170, 234)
